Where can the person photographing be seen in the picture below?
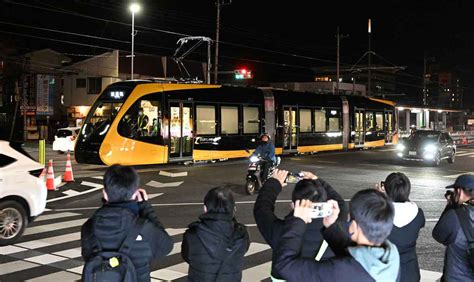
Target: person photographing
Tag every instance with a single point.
(455, 230)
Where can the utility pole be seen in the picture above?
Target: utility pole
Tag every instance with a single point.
(425, 100)
(339, 37)
(369, 78)
(219, 4)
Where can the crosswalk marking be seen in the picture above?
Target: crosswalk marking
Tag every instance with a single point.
(15, 266)
(453, 176)
(157, 184)
(40, 243)
(56, 216)
(54, 226)
(69, 253)
(57, 276)
(464, 154)
(45, 259)
(257, 273)
(69, 266)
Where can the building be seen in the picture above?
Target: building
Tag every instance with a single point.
(383, 79)
(443, 88)
(323, 87)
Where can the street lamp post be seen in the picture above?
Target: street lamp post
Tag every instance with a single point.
(134, 8)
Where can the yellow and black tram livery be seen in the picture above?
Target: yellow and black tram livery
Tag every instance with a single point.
(146, 122)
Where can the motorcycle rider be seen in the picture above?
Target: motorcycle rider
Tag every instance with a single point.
(265, 150)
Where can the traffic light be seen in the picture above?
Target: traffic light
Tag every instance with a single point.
(243, 74)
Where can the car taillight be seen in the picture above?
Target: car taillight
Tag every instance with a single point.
(36, 172)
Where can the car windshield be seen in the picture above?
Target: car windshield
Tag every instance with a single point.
(424, 135)
(63, 133)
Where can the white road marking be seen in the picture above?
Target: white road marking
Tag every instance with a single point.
(71, 192)
(256, 248)
(173, 174)
(45, 259)
(157, 184)
(465, 154)
(429, 276)
(151, 196)
(15, 266)
(40, 243)
(69, 253)
(453, 176)
(98, 177)
(257, 273)
(175, 231)
(6, 250)
(86, 183)
(57, 276)
(55, 216)
(54, 226)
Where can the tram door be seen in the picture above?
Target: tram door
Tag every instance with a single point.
(181, 131)
(359, 128)
(290, 129)
(389, 126)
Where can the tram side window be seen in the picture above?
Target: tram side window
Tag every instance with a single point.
(251, 120)
(206, 120)
(320, 120)
(379, 121)
(369, 121)
(334, 120)
(229, 120)
(142, 121)
(305, 120)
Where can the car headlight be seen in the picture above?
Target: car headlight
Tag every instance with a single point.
(254, 159)
(400, 147)
(431, 148)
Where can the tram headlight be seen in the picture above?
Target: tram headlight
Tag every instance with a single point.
(400, 147)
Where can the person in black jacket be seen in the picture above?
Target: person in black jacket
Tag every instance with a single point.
(214, 247)
(363, 255)
(408, 221)
(448, 230)
(124, 204)
(310, 188)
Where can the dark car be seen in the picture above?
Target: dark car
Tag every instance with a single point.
(427, 145)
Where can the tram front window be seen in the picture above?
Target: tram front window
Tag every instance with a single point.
(103, 115)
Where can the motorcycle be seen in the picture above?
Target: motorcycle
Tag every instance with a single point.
(254, 179)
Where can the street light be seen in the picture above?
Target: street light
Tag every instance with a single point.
(134, 8)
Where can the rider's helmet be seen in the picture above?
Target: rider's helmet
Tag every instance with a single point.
(265, 134)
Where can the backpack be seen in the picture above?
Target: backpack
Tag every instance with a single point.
(464, 219)
(112, 266)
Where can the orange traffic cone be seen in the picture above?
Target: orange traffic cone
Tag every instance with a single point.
(50, 179)
(68, 176)
(43, 174)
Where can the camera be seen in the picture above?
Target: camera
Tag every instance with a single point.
(451, 197)
(320, 210)
(294, 177)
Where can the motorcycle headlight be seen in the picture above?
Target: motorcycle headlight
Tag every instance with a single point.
(254, 159)
(431, 148)
(400, 147)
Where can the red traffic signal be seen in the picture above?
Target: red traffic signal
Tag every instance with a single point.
(243, 74)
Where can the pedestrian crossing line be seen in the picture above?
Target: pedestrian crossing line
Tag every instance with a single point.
(455, 175)
(257, 273)
(54, 226)
(175, 231)
(465, 154)
(44, 242)
(70, 253)
(77, 270)
(57, 276)
(256, 248)
(45, 259)
(176, 249)
(15, 266)
(56, 216)
(6, 250)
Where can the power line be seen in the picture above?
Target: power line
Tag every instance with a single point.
(176, 33)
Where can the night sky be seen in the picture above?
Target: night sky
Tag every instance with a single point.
(273, 36)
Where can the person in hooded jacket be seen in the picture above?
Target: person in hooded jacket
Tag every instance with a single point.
(408, 221)
(449, 232)
(214, 247)
(110, 225)
(363, 255)
(271, 227)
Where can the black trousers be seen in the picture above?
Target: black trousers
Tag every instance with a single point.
(266, 165)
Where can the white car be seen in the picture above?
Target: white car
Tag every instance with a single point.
(65, 139)
(22, 193)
